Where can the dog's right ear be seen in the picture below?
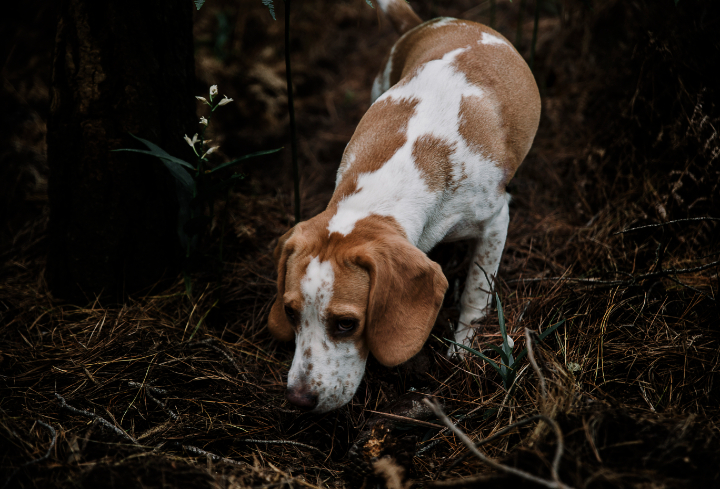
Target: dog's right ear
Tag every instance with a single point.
(278, 323)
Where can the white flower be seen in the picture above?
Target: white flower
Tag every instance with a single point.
(201, 99)
(213, 91)
(207, 141)
(192, 142)
(211, 150)
(510, 342)
(224, 101)
(203, 121)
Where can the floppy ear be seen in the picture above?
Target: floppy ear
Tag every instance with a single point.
(406, 292)
(278, 323)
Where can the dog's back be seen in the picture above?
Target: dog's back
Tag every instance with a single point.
(506, 121)
(455, 112)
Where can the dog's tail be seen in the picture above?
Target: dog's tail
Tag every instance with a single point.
(401, 14)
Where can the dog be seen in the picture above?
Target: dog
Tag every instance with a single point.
(455, 110)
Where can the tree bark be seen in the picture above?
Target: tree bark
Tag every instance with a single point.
(120, 67)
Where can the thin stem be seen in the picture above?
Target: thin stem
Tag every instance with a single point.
(534, 37)
(555, 484)
(667, 223)
(531, 357)
(518, 32)
(291, 109)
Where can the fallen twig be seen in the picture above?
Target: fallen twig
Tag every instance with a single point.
(632, 281)
(405, 419)
(497, 435)
(432, 443)
(149, 390)
(531, 357)
(211, 343)
(690, 219)
(281, 442)
(215, 458)
(98, 419)
(555, 484)
(39, 459)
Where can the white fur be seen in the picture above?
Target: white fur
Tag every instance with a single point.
(441, 22)
(382, 80)
(332, 369)
(489, 39)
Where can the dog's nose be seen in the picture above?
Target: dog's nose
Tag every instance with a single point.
(302, 397)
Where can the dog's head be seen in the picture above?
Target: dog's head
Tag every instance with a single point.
(342, 297)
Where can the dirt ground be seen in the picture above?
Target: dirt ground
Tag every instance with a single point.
(614, 229)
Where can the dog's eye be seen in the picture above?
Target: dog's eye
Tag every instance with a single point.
(345, 325)
(291, 314)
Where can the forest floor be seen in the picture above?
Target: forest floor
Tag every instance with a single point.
(614, 229)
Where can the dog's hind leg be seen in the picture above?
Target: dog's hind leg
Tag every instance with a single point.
(481, 277)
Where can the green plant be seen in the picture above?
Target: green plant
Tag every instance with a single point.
(507, 367)
(197, 186)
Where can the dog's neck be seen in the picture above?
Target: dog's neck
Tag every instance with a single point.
(366, 231)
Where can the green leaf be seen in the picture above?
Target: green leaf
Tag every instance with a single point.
(477, 354)
(370, 3)
(501, 317)
(489, 412)
(199, 3)
(271, 7)
(161, 153)
(502, 354)
(175, 165)
(242, 158)
(201, 320)
(549, 331)
(544, 335)
(503, 330)
(509, 379)
(177, 171)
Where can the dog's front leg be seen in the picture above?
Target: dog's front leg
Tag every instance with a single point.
(484, 265)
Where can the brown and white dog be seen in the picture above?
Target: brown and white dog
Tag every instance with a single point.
(455, 112)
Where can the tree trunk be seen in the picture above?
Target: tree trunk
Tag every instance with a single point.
(120, 67)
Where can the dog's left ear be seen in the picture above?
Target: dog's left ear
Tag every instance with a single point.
(406, 292)
(278, 323)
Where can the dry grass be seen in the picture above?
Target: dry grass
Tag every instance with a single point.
(196, 385)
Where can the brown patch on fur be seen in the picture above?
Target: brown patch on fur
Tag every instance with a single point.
(502, 124)
(402, 16)
(380, 134)
(511, 108)
(406, 291)
(278, 323)
(432, 158)
(421, 45)
(479, 122)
